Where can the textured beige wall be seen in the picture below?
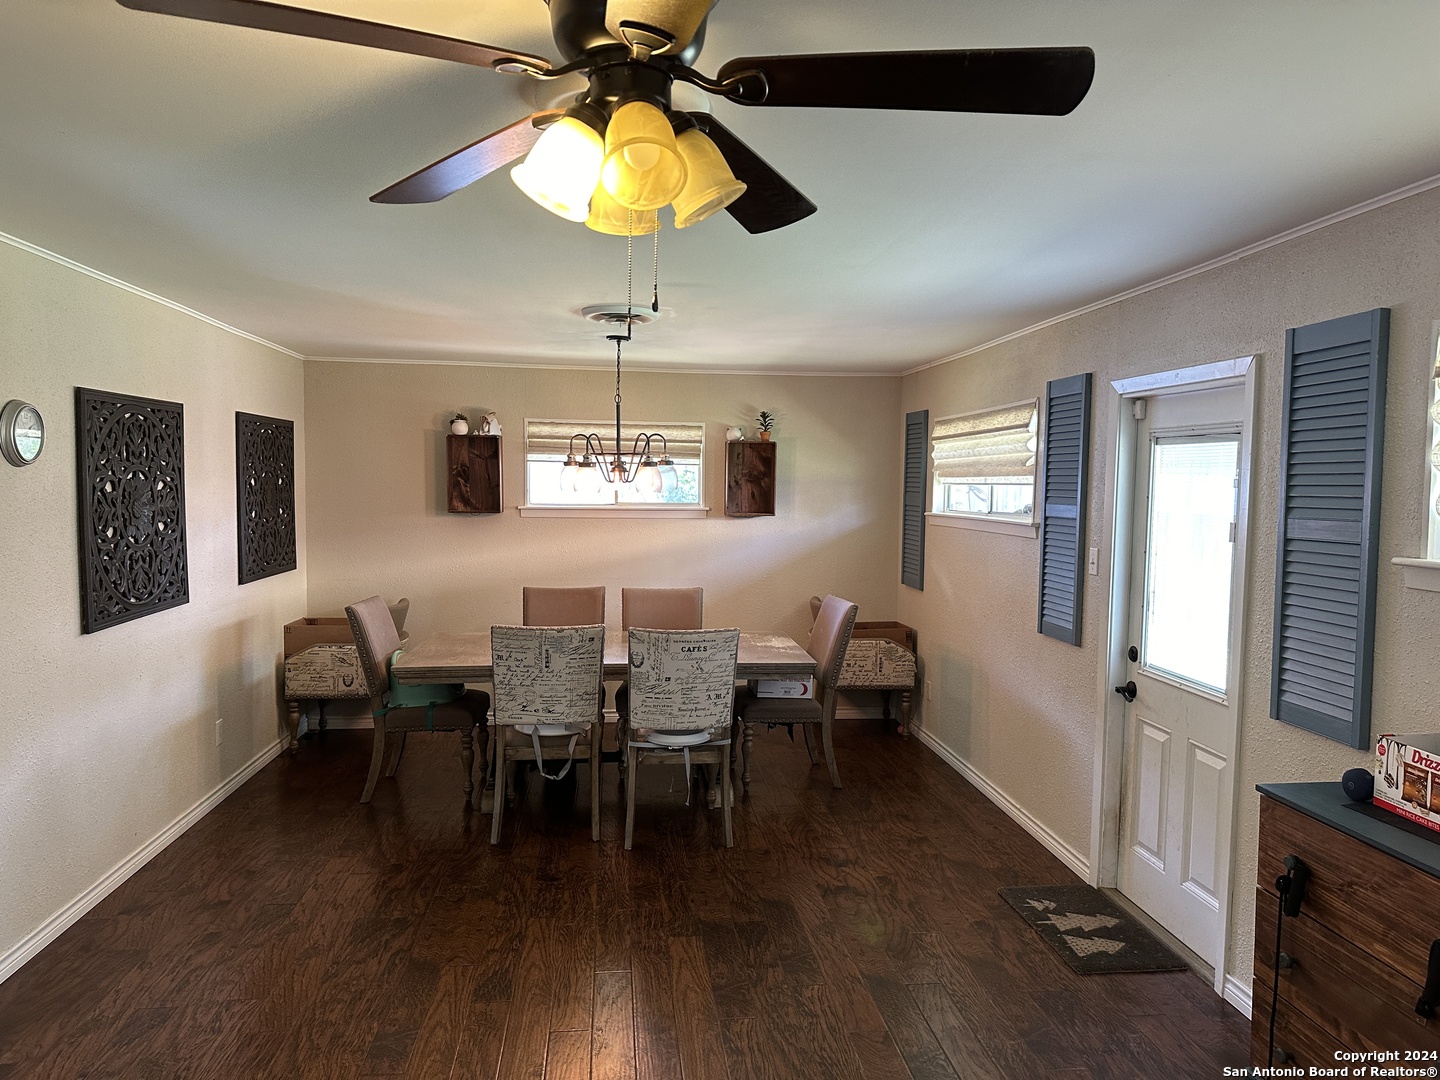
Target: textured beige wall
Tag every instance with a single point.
(107, 738)
(377, 505)
(1022, 708)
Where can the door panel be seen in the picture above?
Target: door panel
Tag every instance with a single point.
(1152, 795)
(1176, 802)
(1207, 770)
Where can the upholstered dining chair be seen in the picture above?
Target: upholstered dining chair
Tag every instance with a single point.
(562, 607)
(682, 691)
(656, 609)
(544, 680)
(399, 709)
(834, 623)
(583, 606)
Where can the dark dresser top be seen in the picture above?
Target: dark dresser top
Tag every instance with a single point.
(1326, 802)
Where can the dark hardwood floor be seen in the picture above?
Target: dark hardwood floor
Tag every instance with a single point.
(855, 933)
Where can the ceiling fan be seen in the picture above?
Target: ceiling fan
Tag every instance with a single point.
(632, 52)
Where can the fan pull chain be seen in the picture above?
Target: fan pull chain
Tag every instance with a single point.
(655, 293)
(629, 267)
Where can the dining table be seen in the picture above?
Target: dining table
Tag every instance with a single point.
(463, 656)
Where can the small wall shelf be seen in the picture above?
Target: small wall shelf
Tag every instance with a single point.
(472, 470)
(749, 479)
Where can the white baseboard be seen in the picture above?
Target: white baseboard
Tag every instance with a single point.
(58, 923)
(1077, 862)
(1237, 993)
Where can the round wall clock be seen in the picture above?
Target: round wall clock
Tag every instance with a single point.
(22, 432)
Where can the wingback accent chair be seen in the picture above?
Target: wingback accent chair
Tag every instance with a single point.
(834, 623)
(399, 709)
(682, 685)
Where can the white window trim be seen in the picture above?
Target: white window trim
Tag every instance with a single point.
(633, 511)
(993, 523)
(996, 523)
(1424, 573)
(628, 511)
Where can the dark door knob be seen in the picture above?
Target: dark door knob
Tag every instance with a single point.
(1127, 691)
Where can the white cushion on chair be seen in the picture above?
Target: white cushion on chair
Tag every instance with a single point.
(673, 738)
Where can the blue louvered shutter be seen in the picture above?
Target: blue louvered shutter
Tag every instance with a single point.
(1332, 439)
(1061, 489)
(912, 517)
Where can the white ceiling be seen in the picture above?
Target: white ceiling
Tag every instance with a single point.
(228, 170)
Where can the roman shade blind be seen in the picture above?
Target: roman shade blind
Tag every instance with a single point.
(912, 514)
(993, 447)
(1332, 441)
(553, 437)
(1062, 489)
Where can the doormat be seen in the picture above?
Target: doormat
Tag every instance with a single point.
(1092, 934)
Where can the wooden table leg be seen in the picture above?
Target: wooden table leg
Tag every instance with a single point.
(749, 741)
(905, 712)
(292, 722)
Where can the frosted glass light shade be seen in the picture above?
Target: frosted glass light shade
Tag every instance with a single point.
(562, 168)
(608, 216)
(648, 478)
(588, 478)
(710, 186)
(643, 169)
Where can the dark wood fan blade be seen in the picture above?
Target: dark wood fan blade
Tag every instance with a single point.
(770, 201)
(1046, 82)
(262, 15)
(464, 167)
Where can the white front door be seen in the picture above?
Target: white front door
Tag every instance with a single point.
(1180, 727)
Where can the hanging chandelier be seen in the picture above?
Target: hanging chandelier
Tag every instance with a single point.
(641, 466)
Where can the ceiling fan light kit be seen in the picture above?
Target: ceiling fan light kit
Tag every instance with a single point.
(608, 216)
(643, 169)
(710, 186)
(561, 171)
(632, 52)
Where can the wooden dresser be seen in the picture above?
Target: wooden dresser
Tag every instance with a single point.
(1361, 944)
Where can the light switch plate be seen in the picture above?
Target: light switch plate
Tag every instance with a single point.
(1092, 564)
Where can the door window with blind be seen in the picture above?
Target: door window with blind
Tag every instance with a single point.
(548, 442)
(1189, 558)
(984, 463)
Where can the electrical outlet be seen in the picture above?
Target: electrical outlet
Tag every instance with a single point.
(929, 690)
(1093, 563)
(219, 727)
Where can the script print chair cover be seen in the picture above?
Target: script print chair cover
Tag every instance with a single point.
(399, 709)
(682, 708)
(545, 707)
(834, 623)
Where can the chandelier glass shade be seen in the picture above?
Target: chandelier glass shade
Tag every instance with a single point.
(616, 174)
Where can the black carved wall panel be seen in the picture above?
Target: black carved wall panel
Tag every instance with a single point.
(265, 495)
(131, 453)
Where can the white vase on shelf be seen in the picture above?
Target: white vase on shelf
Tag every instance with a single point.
(459, 426)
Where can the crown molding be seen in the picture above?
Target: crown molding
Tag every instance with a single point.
(1417, 188)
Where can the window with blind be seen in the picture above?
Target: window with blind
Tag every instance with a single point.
(984, 463)
(547, 442)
